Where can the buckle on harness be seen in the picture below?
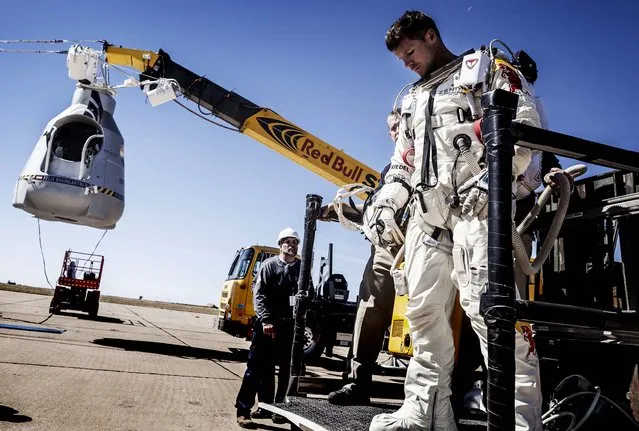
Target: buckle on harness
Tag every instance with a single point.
(418, 195)
(464, 115)
(422, 204)
(409, 134)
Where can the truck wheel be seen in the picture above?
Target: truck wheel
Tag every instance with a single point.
(93, 302)
(94, 310)
(54, 306)
(313, 343)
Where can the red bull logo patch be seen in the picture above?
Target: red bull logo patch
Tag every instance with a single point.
(526, 330)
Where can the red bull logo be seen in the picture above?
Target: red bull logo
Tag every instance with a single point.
(298, 142)
(526, 331)
(331, 160)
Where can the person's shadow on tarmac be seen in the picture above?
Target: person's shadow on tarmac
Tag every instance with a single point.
(177, 350)
(8, 414)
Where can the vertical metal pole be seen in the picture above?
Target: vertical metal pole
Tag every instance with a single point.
(330, 259)
(313, 204)
(497, 304)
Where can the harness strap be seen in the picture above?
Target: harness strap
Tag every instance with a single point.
(460, 116)
(429, 142)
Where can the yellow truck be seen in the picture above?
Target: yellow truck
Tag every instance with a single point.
(330, 318)
(236, 300)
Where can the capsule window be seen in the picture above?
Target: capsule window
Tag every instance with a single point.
(70, 140)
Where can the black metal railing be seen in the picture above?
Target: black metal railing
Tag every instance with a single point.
(498, 304)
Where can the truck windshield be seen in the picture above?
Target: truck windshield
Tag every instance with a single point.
(241, 264)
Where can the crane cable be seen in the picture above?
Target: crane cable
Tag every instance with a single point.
(53, 41)
(43, 41)
(96, 246)
(35, 51)
(200, 115)
(44, 264)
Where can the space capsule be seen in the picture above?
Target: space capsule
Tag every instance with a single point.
(75, 173)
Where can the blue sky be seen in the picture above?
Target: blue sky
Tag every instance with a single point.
(195, 193)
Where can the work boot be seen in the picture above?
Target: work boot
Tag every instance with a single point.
(350, 395)
(261, 414)
(414, 415)
(404, 419)
(244, 420)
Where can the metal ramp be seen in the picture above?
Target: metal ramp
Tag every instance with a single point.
(309, 414)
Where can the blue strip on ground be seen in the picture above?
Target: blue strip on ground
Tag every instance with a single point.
(31, 328)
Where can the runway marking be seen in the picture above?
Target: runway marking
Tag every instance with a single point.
(186, 344)
(116, 371)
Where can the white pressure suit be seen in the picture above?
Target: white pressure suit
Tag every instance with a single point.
(444, 247)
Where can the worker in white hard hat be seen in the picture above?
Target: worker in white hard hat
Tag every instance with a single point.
(273, 293)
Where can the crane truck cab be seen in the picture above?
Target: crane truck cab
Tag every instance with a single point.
(236, 300)
(331, 316)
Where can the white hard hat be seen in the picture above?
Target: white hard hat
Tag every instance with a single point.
(289, 232)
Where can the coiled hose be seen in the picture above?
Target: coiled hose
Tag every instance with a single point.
(521, 255)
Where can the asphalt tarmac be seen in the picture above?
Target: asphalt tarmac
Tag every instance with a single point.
(132, 369)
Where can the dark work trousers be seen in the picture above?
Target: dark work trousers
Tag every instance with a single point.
(374, 314)
(266, 352)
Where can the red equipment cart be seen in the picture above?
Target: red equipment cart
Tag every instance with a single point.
(78, 287)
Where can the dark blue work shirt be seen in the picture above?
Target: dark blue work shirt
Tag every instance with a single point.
(275, 284)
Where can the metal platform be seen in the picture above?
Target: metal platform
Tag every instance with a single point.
(309, 414)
